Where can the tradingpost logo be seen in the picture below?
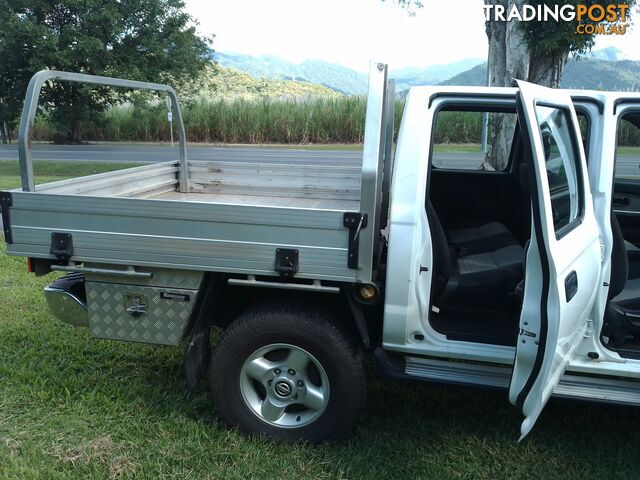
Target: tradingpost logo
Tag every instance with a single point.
(593, 19)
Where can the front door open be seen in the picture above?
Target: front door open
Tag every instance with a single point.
(563, 259)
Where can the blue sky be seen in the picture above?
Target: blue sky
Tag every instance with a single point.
(351, 32)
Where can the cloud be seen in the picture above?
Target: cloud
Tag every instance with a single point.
(351, 32)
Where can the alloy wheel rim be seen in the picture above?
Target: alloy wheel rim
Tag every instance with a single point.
(284, 385)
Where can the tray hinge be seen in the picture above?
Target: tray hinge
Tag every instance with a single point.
(354, 221)
(62, 246)
(6, 202)
(286, 262)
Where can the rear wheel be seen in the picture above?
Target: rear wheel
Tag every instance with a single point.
(287, 373)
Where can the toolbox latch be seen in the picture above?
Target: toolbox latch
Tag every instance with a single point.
(62, 246)
(286, 262)
(355, 222)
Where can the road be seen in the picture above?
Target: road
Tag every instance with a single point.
(159, 153)
(626, 165)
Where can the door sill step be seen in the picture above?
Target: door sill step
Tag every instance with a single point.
(601, 389)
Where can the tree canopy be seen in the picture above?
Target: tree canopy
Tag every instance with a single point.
(147, 40)
(548, 43)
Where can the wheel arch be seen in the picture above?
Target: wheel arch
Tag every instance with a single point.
(219, 303)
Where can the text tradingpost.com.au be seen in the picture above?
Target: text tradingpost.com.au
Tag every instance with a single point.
(590, 19)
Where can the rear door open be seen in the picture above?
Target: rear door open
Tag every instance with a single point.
(563, 259)
(626, 186)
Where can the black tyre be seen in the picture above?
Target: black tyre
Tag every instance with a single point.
(287, 373)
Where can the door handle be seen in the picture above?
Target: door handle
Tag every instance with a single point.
(620, 201)
(571, 285)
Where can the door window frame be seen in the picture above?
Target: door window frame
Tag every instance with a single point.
(455, 103)
(619, 119)
(573, 224)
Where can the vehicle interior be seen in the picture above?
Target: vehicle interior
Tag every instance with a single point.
(478, 208)
(621, 331)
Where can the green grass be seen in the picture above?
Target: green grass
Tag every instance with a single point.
(316, 120)
(475, 148)
(628, 151)
(62, 169)
(49, 171)
(310, 146)
(75, 407)
(221, 116)
(457, 147)
(334, 119)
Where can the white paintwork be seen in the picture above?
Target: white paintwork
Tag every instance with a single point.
(407, 302)
(602, 148)
(408, 291)
(409, 237)
(578, 251)
(407, 295)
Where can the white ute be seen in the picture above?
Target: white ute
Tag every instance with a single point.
(503, 269)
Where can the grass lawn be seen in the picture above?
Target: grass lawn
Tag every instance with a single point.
(628, 151)
(457, 147)
(75, 407)
(475, 148)
(46, 171)
(288, 146)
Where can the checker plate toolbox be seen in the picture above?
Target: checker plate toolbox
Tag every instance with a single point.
(155, 310)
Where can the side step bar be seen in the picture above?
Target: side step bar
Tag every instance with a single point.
(409, 368)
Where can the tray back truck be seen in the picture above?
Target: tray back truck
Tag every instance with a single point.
(441, 267)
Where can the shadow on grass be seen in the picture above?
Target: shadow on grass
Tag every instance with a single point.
(406, 431)
(60, 388)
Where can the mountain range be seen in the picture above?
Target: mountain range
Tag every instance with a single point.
(336, 77)
(606, 69)
(584, 73)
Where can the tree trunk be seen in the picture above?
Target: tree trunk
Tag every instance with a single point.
(501, 129)
(509, 56)
(547, 69)
(76, 136)
(509, 59)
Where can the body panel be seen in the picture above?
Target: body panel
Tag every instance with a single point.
(197, 235)
(407, 300)
(179, 219)
(563, 261)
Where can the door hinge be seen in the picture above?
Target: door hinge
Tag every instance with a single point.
(6, 202)
(355, 222)
(589, 330)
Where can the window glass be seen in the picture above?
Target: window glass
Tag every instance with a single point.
(562, 164)
(473, 140)
(628, 147)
